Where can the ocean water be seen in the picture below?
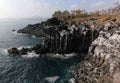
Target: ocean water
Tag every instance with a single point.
(32, 69)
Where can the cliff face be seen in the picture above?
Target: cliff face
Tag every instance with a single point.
(70, 39)
(60, 37)
(102, 64)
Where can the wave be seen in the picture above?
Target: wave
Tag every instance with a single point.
(19, 48)
(61, 56)
(16, 33)
(30, 55)
(33, 36)
(51, 55)
(3, 51)
(52, 79)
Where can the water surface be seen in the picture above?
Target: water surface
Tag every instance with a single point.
(28, 70)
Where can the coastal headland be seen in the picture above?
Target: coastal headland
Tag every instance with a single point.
(96, 35)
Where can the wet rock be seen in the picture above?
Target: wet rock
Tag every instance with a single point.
(13, 51)
(24, 51)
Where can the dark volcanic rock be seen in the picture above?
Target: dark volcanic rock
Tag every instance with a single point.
(16, 51)
(39, 29)
(24, 51)
(13, 51)
(62, 37)
(40, 49)
(53, 21)
(35, 29)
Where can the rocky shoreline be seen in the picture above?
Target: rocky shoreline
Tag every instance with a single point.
(60, 37)
(99, 43)
(102, 63)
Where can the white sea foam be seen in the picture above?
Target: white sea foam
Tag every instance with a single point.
(72, 80)
(30, 55)
(33, 36)
(19, 48)
(52, 79)
(15, 32)
(62, 56)
(3, 51)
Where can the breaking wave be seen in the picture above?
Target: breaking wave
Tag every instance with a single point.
(31, 55)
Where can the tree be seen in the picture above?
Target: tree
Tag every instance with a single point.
(57, 14)
(66, 13)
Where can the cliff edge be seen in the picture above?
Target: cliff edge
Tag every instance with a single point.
(102, 64)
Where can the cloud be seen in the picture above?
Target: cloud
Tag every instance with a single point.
(98, 5)
(25, 8)
(74, 7)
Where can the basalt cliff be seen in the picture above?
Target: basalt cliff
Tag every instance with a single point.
(60, 37)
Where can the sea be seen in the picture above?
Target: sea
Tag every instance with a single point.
(30, 68)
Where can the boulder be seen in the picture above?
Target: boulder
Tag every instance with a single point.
(24, 51)
(13, 51)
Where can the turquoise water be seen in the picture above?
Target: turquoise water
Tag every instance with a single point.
(25, 69)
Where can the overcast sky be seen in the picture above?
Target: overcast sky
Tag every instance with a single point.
(45, 8)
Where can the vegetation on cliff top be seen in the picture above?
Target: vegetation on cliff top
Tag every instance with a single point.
(80, 15)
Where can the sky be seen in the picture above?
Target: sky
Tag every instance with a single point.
(45, 8)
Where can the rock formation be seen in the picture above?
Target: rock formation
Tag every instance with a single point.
(38, 29)
(102, 64)
(61, 37)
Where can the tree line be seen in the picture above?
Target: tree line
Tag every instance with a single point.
(66, 15)
(70, 14)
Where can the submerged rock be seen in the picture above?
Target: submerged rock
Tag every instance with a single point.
(13, 30)
(13, 51)
(16, 51)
